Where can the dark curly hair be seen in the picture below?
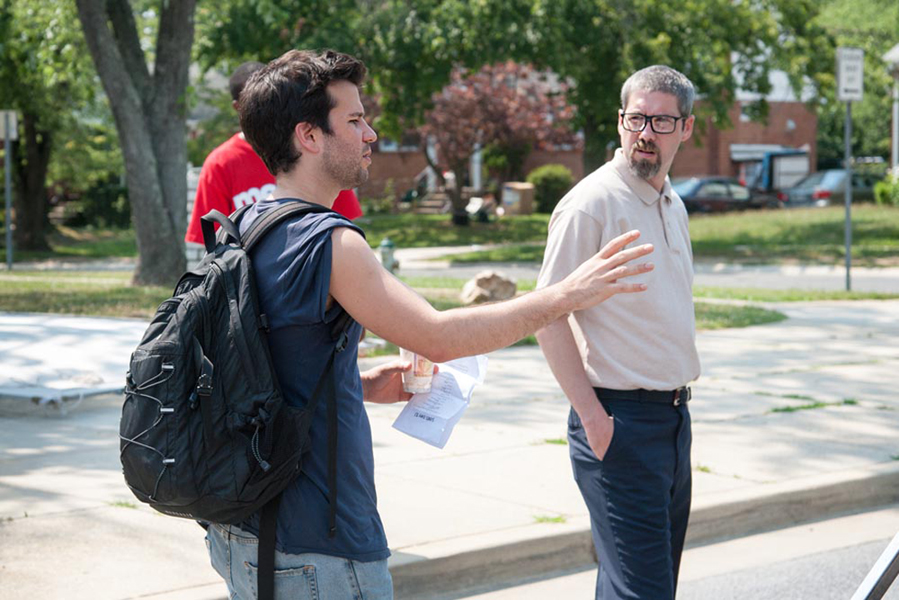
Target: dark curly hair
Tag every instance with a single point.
(292, 89)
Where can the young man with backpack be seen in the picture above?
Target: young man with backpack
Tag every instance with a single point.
(303, 116)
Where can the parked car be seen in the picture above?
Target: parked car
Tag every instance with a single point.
(827, 187)
(720, 194)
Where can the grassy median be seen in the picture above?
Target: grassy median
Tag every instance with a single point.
(109, 294)
(813, 235)
(808, 235)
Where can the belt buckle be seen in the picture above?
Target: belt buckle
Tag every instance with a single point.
(678, 393)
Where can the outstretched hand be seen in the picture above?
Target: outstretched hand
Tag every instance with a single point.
(597, 279)
(384, 384)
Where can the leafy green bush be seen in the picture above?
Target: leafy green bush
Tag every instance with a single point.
(551, 182)
(384, 204)
(105, 204)
(886, 192)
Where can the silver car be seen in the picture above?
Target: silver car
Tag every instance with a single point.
(826, 187)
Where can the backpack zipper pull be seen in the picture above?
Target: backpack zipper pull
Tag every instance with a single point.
(255, 445)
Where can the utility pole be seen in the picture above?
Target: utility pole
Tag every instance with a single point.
(10, 133)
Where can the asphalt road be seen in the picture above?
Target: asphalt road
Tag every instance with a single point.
(826, 560)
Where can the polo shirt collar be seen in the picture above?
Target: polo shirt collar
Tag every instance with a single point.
(640, 187)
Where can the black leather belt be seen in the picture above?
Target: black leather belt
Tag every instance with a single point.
(674, 397)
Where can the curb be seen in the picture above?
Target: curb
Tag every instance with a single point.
(728, 515)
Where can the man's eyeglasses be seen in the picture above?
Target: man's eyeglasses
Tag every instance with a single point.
(636, 122)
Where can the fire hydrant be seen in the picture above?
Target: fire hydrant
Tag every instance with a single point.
(386, 249)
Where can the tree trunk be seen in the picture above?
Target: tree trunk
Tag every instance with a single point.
(149, 112)
(30, 197)
(440, 179)
(459, 214)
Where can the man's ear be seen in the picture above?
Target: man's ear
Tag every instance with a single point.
(688, 128)
(308, 137)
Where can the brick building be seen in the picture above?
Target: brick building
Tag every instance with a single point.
(791, 123)
(717, 151)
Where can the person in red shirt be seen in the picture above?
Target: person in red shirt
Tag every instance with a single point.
(233, 175)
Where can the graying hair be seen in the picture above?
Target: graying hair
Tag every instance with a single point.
(659, 78)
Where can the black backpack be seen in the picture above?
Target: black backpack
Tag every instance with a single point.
(205, 432)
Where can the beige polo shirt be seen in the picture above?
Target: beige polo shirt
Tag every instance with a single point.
(631, 341)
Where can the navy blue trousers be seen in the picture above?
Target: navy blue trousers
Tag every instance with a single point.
(638, 497)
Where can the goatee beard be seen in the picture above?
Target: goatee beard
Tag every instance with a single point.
(643, 168)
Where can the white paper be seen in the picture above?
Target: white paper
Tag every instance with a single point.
(430, 417)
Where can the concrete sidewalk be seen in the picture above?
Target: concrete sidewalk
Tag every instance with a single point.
(791, 421)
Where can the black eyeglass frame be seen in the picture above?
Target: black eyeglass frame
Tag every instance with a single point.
(650, 120)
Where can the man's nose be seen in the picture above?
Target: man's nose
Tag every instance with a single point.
(369, 135)
(648, 133)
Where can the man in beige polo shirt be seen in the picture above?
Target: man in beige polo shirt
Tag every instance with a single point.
(624, 364)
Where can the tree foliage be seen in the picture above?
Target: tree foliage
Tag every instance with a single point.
(872, 26)
(718, 44)
(45, 77)
(413, 47)
(721, 45)
(506, 105)
(235, 31)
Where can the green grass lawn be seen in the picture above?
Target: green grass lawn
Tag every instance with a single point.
(806, 235)
(810, 235)
(518, 253)
(726, 293)
(109, 294)
(421, 231)
(106, 294)
(86, 243)
(803, 235)
(791, 295)
(405, 230)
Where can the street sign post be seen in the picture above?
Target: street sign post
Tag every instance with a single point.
(9, 133)
(850, 86)
(850, 74)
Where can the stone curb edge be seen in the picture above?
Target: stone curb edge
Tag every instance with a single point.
(734, 515)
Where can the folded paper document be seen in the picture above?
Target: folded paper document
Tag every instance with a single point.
(430, 417)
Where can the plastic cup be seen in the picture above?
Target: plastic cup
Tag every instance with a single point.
(418, 379)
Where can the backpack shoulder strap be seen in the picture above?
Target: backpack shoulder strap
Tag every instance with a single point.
(265, 222)
(228, 229)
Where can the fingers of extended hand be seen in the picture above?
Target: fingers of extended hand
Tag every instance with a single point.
(395, 366)
(624, 256)
(618, 243)
(628, 271)
(627, 288)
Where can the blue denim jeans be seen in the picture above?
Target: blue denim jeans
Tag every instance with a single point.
(297, 576)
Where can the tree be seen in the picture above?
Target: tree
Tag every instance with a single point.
(506, 106)
(149, 107)
(537, 115)
(45, 77)
(718, 44)
(234, 31)
(413, 47)
(874, 27)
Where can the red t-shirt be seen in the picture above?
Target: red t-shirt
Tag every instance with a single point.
(233, 175)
